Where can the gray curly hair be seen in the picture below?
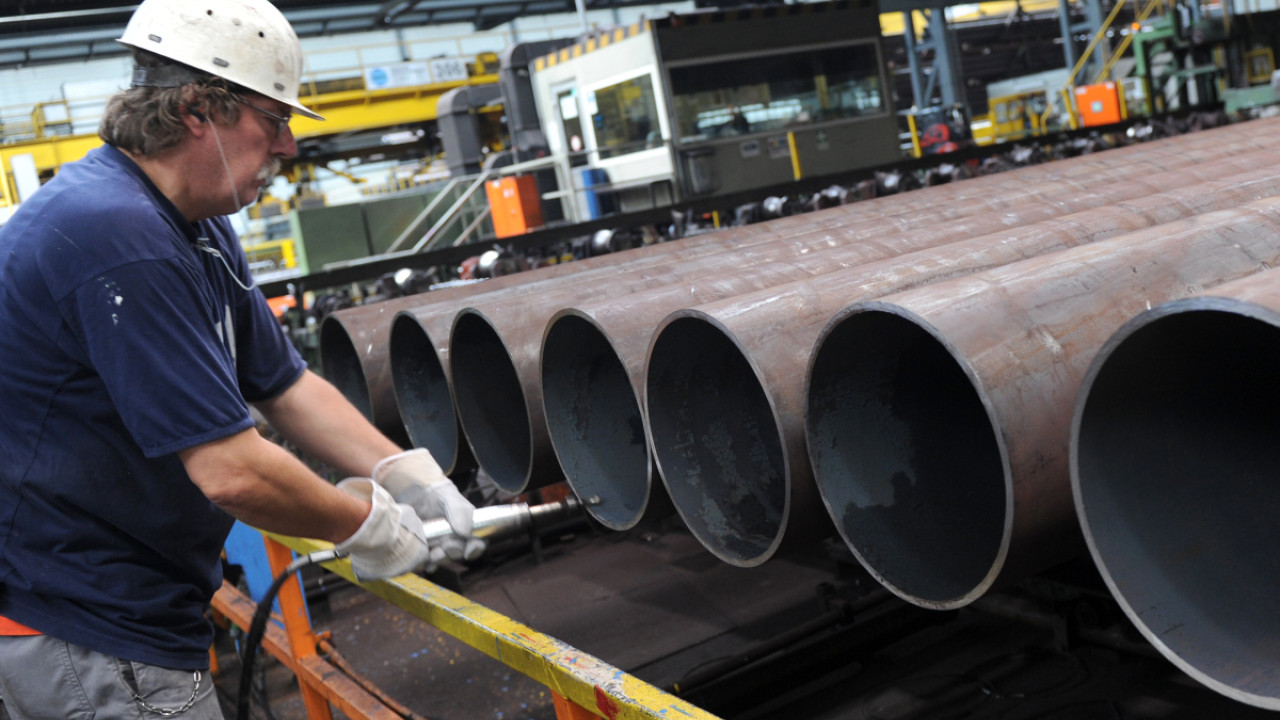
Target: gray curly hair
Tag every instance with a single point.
(146, 119)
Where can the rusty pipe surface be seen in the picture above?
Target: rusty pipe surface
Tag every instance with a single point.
(1173, 463)
(594, 353)
(495, 340)
(355, 346)
(938, 419)
(495, 343)
(356, 354)
(755, 348)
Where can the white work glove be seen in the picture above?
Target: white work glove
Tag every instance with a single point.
(415, 479)
(390, 541)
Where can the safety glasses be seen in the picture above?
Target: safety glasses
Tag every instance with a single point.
(281, 121)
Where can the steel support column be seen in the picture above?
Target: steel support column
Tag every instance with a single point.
(1092, 22)
(943, 76)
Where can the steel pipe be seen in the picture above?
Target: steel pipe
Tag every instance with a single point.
(355, 355)
(938, 419)
(594, 353)
(1173, 464)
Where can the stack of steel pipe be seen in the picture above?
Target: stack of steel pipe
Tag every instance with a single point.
(938, 420)
(593, 355)
(725, 381)
(904, 372)
(1174, 463)
(355, 350)
(354, 343)
(495, 342)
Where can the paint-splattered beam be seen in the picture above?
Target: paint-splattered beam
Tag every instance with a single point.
(585, 680)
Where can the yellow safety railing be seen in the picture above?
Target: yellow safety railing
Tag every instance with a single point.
(582, 687)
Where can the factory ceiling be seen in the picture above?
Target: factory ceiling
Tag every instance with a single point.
(41, 32)
(35, 32)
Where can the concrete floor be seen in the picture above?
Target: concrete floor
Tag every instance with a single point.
(655, 603)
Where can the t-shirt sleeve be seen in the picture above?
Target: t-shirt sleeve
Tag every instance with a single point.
(267, 363)
(161, 348)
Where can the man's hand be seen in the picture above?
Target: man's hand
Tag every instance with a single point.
(414, 478)
(390, 542)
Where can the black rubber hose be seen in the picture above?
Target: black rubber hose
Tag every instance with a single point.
(258, 627)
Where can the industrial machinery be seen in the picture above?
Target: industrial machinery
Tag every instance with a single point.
(710, 103)
(1017, 106)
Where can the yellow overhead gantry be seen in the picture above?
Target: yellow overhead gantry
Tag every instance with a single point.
(357, 110)
(345, 111)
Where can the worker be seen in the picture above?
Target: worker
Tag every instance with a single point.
(132, 345)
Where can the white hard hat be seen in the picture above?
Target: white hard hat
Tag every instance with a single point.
(248, 42)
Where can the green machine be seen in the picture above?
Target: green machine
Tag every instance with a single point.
(1177, 58)
(330, 234)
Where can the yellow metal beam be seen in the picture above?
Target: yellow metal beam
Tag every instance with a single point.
(356, 110)
(51, 152)
(347, 111)
(575, 675)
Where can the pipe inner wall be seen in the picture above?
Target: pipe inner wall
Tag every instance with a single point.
(717, 442)
(594, 421)
(1175, 465)
(422, 391)
(340, 364)
(490, 401)
(906, 456)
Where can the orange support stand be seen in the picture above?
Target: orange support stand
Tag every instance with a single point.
(567, 709)
(297, 627)
(321, 683)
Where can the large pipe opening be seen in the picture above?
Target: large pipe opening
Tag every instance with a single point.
(422, 392)
(595, 422)
(906, 458)
(717, 442)
(340, 365)
(491, 405)
(1176, 458)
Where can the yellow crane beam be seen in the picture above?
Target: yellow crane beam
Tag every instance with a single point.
(355, 110)
(345, 111)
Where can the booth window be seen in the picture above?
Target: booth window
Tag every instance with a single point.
(625, 118)
(765, 94)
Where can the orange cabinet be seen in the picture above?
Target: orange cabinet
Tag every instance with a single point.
(514, 205)
(1099, 104)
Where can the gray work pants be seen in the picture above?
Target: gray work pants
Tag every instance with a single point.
(43, 677)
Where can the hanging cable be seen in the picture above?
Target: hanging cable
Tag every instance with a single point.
(203, 245)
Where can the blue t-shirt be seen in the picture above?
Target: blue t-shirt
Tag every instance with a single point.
(121, 343)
